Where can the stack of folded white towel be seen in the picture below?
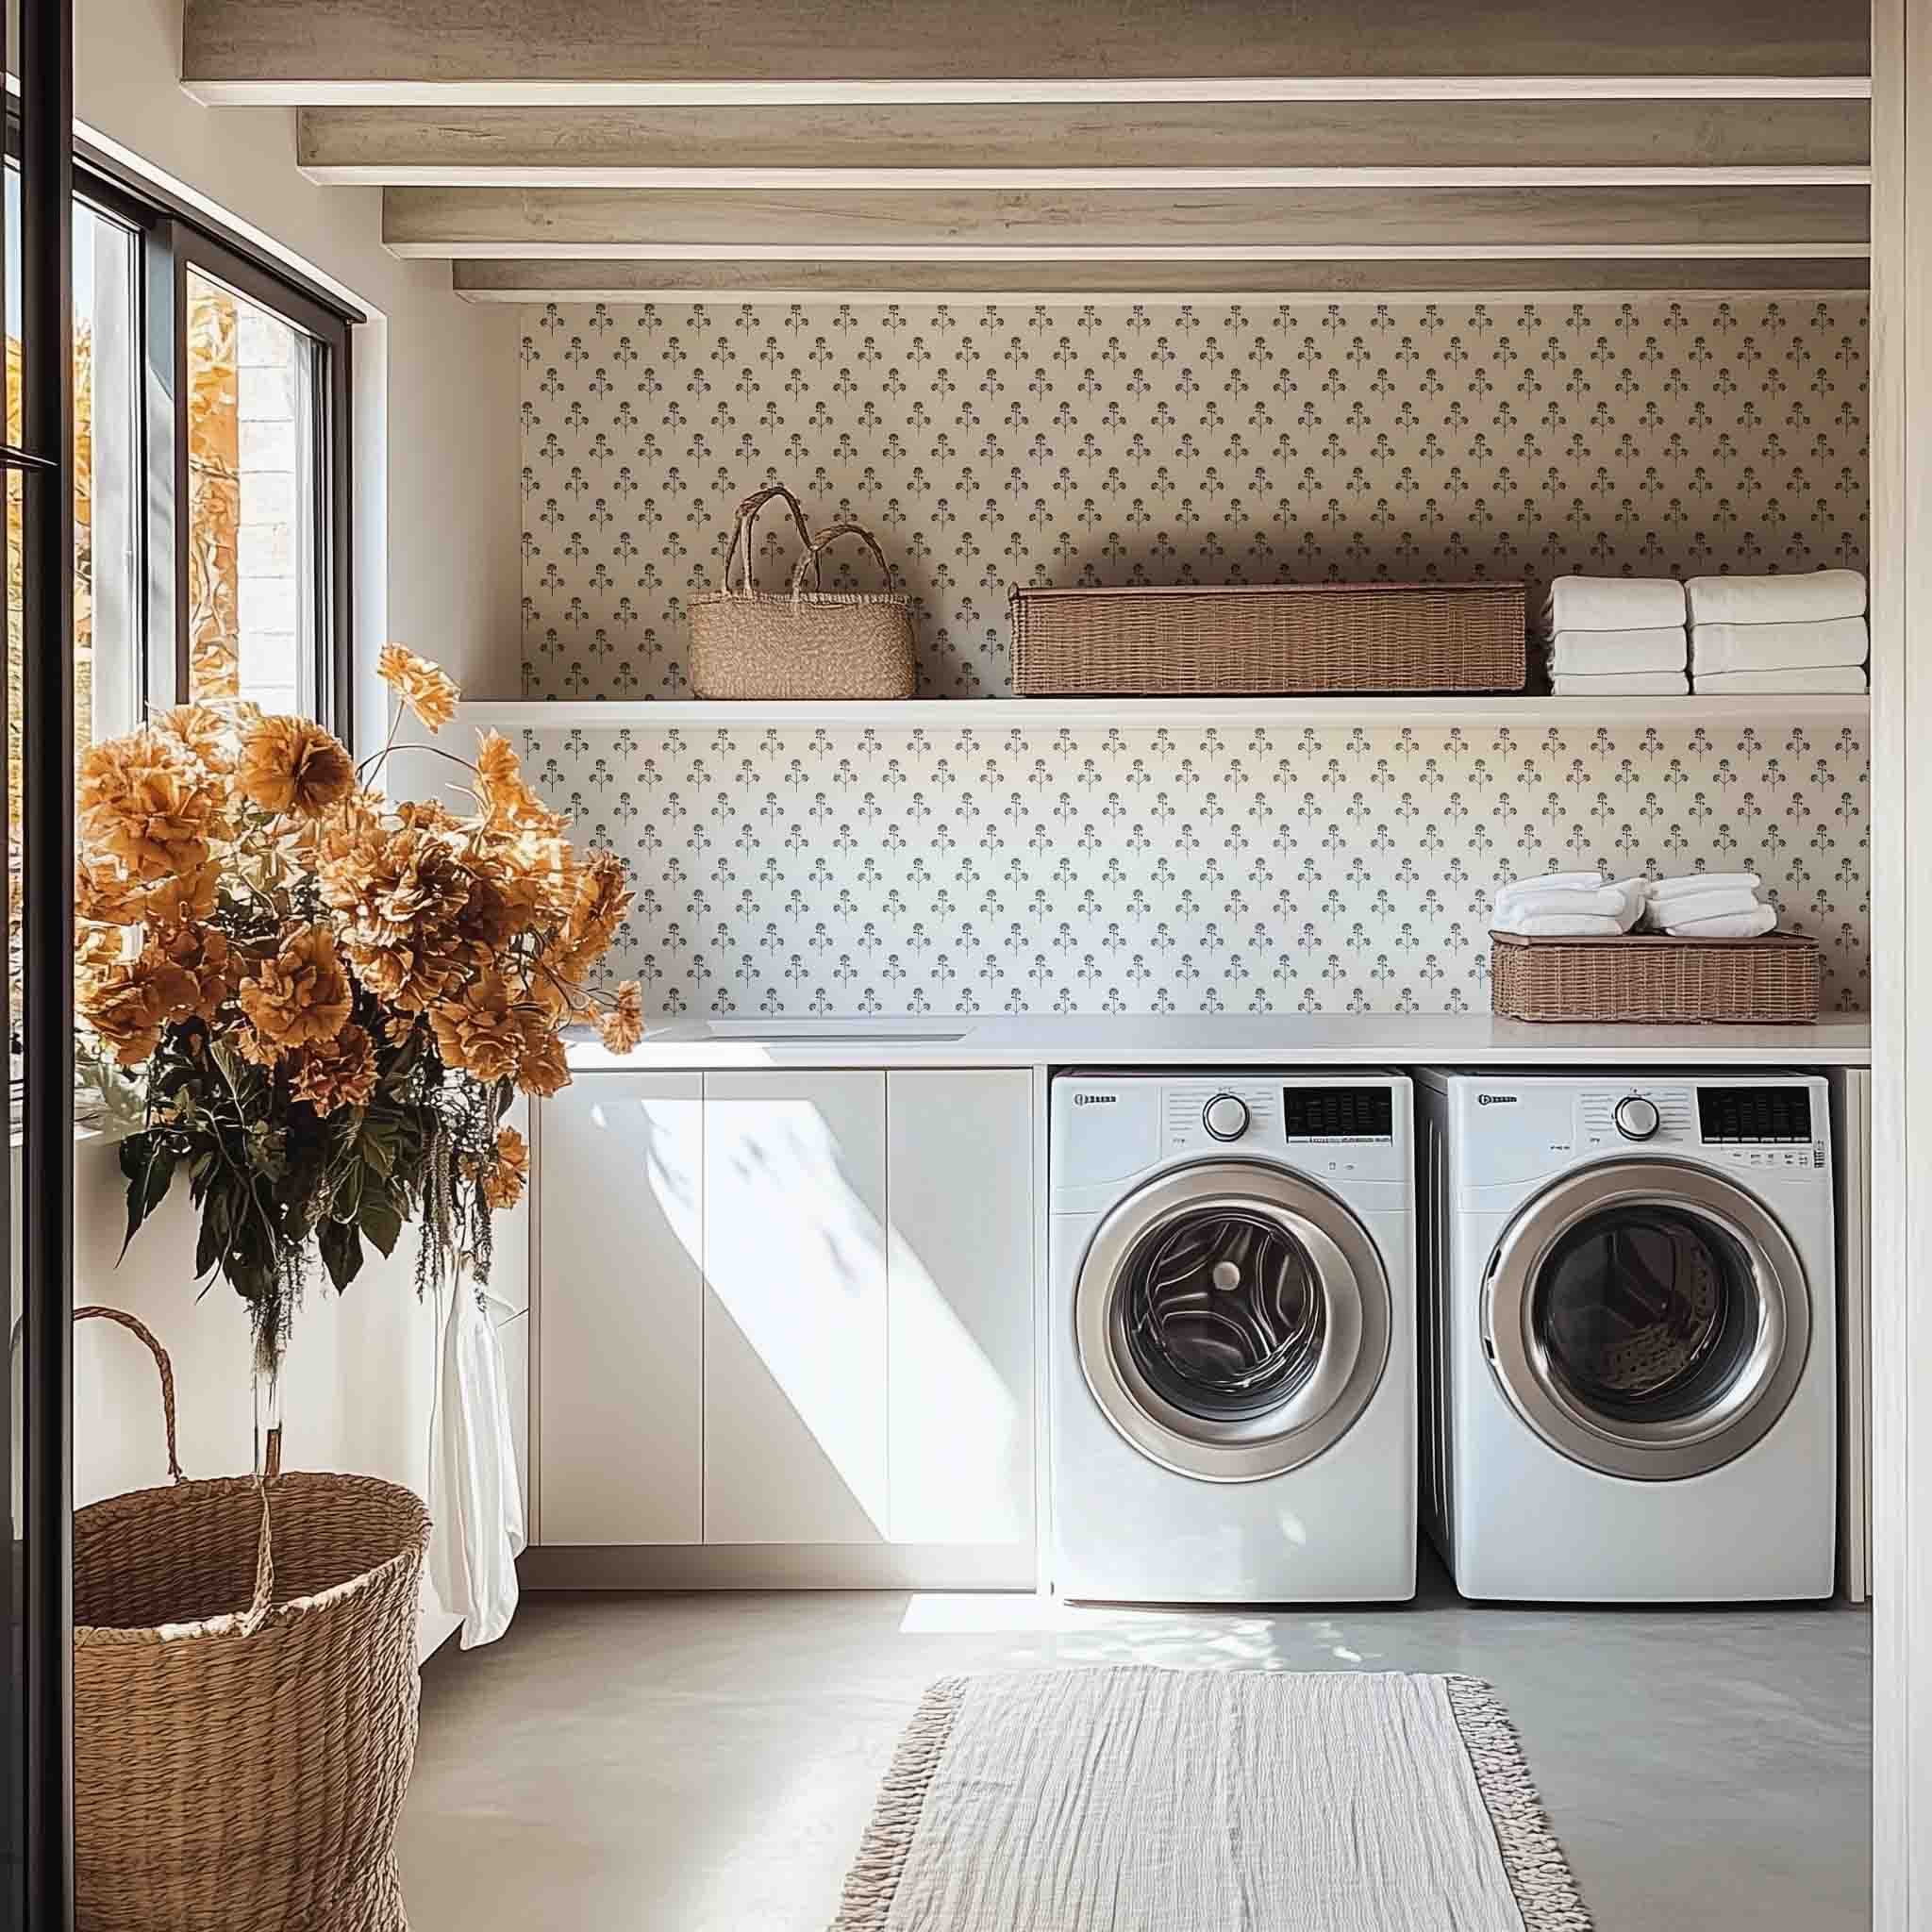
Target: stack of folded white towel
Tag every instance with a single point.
(1708, 906)
(1617, 637)
(1570, 905)
(1804, 633)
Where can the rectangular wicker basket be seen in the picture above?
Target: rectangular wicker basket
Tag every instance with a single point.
(1654, 979)
(1267, 640)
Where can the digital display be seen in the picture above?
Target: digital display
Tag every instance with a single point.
(1755, 1113)
(1338, 1113)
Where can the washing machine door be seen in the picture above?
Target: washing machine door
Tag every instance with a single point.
(1647, 1319)
(1232, 1320)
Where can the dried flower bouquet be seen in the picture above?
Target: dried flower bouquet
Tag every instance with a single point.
(329, 1000)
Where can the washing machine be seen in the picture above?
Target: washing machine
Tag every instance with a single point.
(1233, 1413)
(1630, 1335)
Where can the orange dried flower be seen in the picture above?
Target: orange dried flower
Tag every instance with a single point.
(104, 894)
(503, 1186)
(199, 731)
(479, 1030)
(146, 802)
(543, 1069)
(329, 1074)
(426, 689)
(183, 900)
(127, 1002)
(621, 1026)
(292, 765)
(300, 994)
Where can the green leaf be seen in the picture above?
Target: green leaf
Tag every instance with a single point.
(342, 1253)
(380, 1219)
(149, 1167)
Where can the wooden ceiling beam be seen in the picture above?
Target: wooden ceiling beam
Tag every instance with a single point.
(1146, 144)
(1123, 282)
(372, 50)
(1249, 224)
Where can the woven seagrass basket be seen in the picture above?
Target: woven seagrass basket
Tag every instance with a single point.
(820, 644)
(244, 1686)
(1242, 641)
(1775, 980)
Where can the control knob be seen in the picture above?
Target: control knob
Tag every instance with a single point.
(1637, 1118)
(1226, 1117)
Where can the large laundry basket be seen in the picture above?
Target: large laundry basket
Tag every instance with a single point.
(245, 1679)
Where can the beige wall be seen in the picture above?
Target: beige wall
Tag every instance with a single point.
(436, 563)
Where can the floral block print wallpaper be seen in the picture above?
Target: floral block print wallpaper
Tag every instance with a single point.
(989, 444)
(1185, 870)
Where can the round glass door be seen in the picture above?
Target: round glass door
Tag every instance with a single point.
(1648, 1318)
(1232, 1320)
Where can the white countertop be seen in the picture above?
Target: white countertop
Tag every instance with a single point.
(1223, 1040)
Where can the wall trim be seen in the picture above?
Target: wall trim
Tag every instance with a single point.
(779, 1566)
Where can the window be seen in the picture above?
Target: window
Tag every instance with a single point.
(211, 478)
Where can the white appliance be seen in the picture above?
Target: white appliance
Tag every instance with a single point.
(1630, 1335)
(1233, 1310)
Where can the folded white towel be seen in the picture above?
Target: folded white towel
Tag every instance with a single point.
(1738, 925)
(1615, 603)
(1719, 647)
(1817, 681)
(1549, 882)
(1685, 882)
(1805, 596)
(1598, 653)
(1687, 908)
(1627, 684)
(1572, 925)
(1611, 902)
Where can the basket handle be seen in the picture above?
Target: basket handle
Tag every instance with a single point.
(264, 1597)
(817, 546)
(164, 1367)
(748, 517)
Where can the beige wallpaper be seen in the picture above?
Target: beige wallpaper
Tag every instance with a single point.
(1169, 443)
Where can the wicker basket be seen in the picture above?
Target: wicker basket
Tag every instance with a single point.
(1772, 981)
(244, 1686)
(1273, 639)
(807, 644)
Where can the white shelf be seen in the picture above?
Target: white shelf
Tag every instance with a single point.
(1153, 714)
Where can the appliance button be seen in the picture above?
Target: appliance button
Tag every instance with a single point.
(1226, 1117)
(1637, 1118)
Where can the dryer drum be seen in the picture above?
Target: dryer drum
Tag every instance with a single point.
(1226, 1314)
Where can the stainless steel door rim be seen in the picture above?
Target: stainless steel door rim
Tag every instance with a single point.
(1355, 1321)
(1738, 1412)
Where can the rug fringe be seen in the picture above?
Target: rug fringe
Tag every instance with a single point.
(873, 1879)
(1539, 1873)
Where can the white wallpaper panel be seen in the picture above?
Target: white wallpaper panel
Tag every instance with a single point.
(1165, 442)
(1035, 868)
(1023, 869)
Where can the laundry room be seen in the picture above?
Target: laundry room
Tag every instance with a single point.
(1115, 926)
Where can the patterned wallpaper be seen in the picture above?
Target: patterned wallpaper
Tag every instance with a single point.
(1035, 868)
(1165, 442)
(1044, 870)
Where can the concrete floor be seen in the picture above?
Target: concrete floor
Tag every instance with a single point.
(707, 1763)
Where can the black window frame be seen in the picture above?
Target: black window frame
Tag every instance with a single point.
(174, 237)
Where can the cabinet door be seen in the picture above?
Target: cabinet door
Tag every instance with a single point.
(796, 1308)
(620, 1336)
(959, 1168)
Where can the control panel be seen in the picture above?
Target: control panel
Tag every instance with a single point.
(1742, 1125)
(1341, 1127)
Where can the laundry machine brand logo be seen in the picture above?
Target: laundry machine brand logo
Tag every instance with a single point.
(1095, 1099)
(1497, 1099)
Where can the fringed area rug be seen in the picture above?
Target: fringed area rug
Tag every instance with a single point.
(1136, 1799)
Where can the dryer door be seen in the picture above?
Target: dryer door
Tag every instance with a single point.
(1647, 1319)
(1232, 1320)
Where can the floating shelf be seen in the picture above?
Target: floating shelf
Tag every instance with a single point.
(1155, 715)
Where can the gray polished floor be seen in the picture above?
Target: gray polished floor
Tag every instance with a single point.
(707, 1763)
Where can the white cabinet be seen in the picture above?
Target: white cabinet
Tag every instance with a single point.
(789, 1308)
(795, 1322)
(620, 1337)
(959, 1296)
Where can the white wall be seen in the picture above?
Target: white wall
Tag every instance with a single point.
(436, 561)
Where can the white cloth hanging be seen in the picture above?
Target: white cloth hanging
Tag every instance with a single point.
(474, 1499)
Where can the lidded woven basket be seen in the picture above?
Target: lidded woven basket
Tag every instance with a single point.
(246, 1690)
